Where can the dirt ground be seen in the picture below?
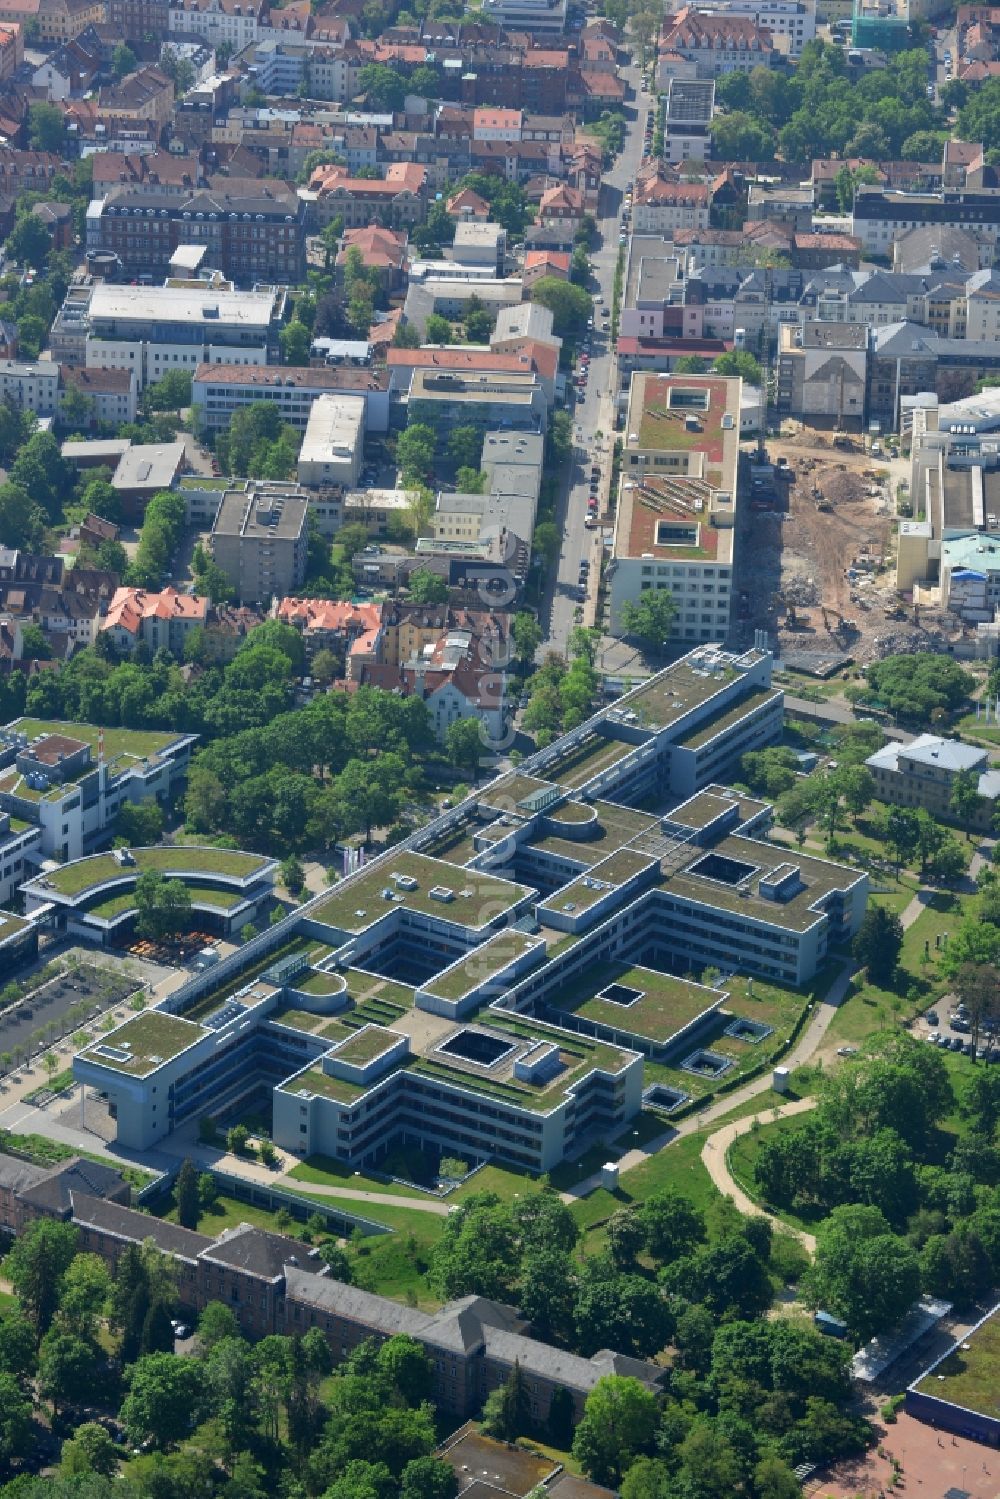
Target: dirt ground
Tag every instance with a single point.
(821, 580)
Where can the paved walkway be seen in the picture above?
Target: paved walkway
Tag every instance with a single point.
(801, 1052)
(716, 1149)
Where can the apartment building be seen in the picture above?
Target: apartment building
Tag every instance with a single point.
(661, 204)
(30, 385)
(134, 20)
(54, 777)
(881, 216)
(789, 23)
(234, 23)
(714, 42)
(165, 619)
(398, 200)
(113, 394)
(153, 329)
(923, 774)
(675, 518)
(260, 539)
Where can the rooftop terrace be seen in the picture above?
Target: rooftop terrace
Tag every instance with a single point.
(606, 875)
(141, 1045)
(366, 1044)
(474, 897)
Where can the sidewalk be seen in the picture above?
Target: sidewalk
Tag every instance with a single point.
(716, 1149)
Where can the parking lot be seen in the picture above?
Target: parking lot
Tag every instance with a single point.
(32, 1023)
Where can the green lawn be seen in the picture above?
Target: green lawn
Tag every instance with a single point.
(325, 1171)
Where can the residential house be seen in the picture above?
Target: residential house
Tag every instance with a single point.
(156, 620)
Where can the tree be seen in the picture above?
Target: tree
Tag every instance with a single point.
(407, 336)
(429, 1478)
(186, 1195)
(216, 1323)
(123, 60)
(170, 393)
(878, 943)
(91, 1449)
(506, 1414)
(690, 364)
(465, 447)
(85, 1294)
(384, 87)
(46, 127)
(16, 1435)
(671, 1225)
(477, 321)
(295, 341)
(164, 1400)
(426, 587)
(649, 617)
(17, 1347)
(978, 987)
(464, 745)
(67, 1367)
(36, 1267)
(626, 1312)
(437, 329)
(163, 906)
(862, 1271)
(915, 687)
(527, 634)
(739, 362)
(140, 823)
(570, 305)
(34, 645)
(415, 451)
(547, 541)
(29, 242)
(22, 522)
(739, 137)
(619, 1423)
(965, 803)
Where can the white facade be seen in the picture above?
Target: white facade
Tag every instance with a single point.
(794, 19)
(333, 446)
(30, 385)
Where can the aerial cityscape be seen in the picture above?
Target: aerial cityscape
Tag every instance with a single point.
(499, 749)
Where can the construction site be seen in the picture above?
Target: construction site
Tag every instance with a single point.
(816, 553)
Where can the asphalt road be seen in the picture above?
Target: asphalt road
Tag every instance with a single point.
(595, 412)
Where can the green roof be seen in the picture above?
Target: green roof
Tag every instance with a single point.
(11, 925)
(222, 900)
(724, 718)
(141, 1045)
(86, 874)
(135, 744)
(361, 902)
(583, 762)
(818, 878)
(667, 1005)
(366, 1044)
(970, 1375)
(617, 869)
(480, 965)
(675, 691)
(317, 981)
(318, 1081)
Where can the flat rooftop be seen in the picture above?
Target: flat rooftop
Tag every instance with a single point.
(141, 1045)
(969, 1376)
(475, 897)
(701, 810)
(732, 883)
(125, 744)
(728, 715)
(604, 877)
(681, 687)
(11, 926)
(663, 1003)
(173, 304)
(667, 520)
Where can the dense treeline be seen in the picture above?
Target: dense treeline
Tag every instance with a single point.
(906, 1202)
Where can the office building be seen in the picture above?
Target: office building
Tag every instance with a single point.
(333, 445)
(153, 329)
(53, 777)
(219, 390)
(923, 774)
(675, 518)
